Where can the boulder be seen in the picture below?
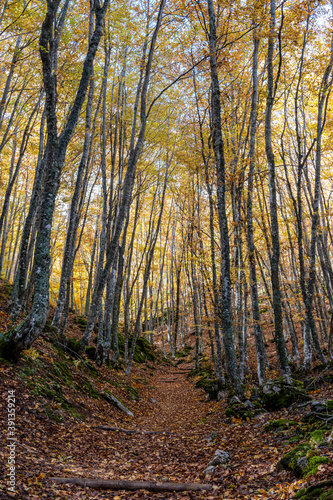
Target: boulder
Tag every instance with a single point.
(246, 410)
(282, 393)
(320, 411)
(234, 400)
(209, 470)
(210, 385)
(220, 457)
(304, 459)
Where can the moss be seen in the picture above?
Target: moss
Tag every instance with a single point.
(56, 417)
(185, 352)
(329, 404)
(211, 386)
(91, 352)
(316, 437)
(314, 463)
(320, 493)
(320, 416)
(289, 460)
(73, 345)
(87, 388)
(48, 328)
(59, 349)
(305, 451)
(243, 412)
(277, 394)
(92, 371)
(143, 349)
(81, 321)
(280, 425)
(76, 414)
(62, 370)
(132, 392)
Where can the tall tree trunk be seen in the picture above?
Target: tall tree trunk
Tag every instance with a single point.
(29, 330)
(275, 254)
(231, 360)
(257, 331)
(127, 187)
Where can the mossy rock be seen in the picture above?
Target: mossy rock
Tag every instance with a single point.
(245, 411)
(321, 492)
(184, 353)
(303, 460)
(73, 345)
(48, 328)
(143, 349)
(211, 386)
(278, 394)
(91, 352)
(280, 425)
(321, 412)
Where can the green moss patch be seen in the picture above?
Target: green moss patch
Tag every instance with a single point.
(184, 353)
(322, 491)
(280, 425)
(87, 388)
(245, 411)
(143, 349)
(303, 460)
(278, 394)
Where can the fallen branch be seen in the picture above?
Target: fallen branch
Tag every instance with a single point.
(132, 485)
(110, 398)
(129, 431)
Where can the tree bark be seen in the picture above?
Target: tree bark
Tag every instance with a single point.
(231, 360)
(133, 485)
(275, 255)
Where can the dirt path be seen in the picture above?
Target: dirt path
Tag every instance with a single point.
(179, 453)
(189, 430)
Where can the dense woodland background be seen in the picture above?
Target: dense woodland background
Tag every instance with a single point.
(165, 170)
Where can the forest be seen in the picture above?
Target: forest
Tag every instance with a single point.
(166, 204)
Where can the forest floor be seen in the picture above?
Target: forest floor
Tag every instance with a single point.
(59, 408)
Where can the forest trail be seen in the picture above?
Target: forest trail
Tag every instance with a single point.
(186, 429)
(179, 451)
(189, 428)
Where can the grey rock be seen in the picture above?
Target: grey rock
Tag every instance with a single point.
(302, 463)
(248, 405)
(234, 400)
(210, 470)
(270, 387)
(221, 395)
(318, 406)
(220, 457)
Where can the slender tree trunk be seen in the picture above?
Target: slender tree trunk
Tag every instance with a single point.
(275, 255)
(29, 330)
(127, 187)
(231, 359)
(257, 332)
